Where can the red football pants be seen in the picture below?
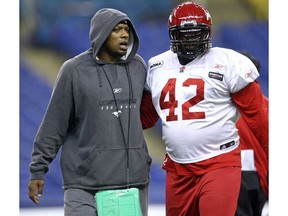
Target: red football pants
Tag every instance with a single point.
(213, 194)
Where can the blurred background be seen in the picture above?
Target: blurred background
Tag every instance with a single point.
(56, 30)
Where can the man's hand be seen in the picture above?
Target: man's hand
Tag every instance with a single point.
(35, 190)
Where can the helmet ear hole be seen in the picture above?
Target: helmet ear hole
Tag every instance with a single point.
(190, 30)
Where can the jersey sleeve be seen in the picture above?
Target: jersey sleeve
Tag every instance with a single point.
(252, 106)
(242, 72)
(148, 114)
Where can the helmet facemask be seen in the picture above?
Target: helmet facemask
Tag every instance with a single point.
(190, 41)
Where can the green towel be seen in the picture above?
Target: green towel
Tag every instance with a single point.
(124, 202)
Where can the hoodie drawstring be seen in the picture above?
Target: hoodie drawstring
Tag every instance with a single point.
(99, 76)
(130, 83)
(126, 142)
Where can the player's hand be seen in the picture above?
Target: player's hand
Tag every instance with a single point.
(35, 190)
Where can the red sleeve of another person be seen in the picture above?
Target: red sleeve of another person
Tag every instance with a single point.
(254, 111)
(249, 141)
(148, 114)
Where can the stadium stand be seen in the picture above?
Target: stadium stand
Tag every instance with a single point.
(259, 8)
(34, 96)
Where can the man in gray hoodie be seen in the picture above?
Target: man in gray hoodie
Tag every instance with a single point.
(94, 116)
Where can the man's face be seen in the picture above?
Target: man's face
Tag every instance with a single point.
(116, 45)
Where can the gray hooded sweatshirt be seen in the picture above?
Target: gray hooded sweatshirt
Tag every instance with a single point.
(94, 115)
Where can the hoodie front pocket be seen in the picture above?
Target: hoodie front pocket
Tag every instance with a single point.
(84, 167)
(104, 168)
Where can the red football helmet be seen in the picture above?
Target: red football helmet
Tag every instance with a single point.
(190, 30)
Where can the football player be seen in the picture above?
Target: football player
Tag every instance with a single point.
(199, 91)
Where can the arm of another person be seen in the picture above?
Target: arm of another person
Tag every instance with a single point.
(148, 114)
(250, 103)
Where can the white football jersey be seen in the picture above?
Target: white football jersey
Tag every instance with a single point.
(194, 102)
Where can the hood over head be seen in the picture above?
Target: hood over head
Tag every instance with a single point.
(103, 22)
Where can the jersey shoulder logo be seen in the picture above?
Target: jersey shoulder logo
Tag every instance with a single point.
(220, 66)
(156, 65)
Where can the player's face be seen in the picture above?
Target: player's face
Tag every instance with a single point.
(116, 45)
